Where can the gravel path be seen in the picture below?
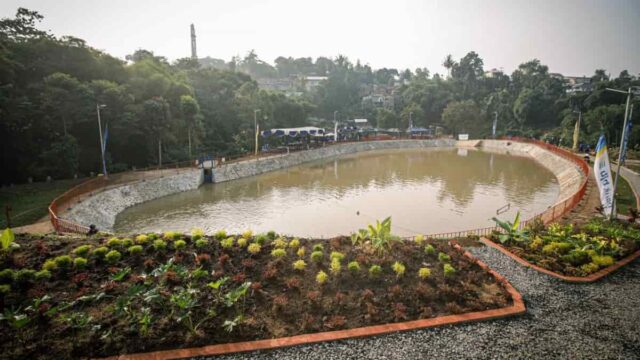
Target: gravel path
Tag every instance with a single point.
(567, 321)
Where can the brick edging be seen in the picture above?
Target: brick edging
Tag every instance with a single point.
(572, 279)
(518, 307)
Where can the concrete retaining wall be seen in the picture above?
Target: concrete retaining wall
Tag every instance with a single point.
(248, 168)
(102, 208)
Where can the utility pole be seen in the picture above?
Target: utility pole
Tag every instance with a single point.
(255, 124)
(335, 126)
(194, 53)
(104, 163)
(622, 144)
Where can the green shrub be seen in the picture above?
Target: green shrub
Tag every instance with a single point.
(242, 242)
(82, 250)
(159, 245)
(424, 273)
(220, 235)
(557, 248)
(300, 252)
(280, 243)
(80, 263)
(113, 256)
(153, 236)
(295, 243)
(590, 268)
(261, 239)
(100, 252)
(126, 242)
(200, 243)
(135, 250)
(24, 275)
(419, 239)
(322, 277)
(353, 266)
(5, 289)
(318, 247)
(6, 276)
(172, 235)
(398, 268)
(254, 248)
(429, 249)
(448, 270)
(49, 265)
(179, 244)
(227, 243)
(317, 256)
(63, 261)
(299, 265)
(442, 257)
(247, 234)
(272, 235)
(199, 273)
(142, 239)
(375, 270)
(278, 253)
(114, 242)
(336, 255)
(335, 266)
(197, 234)
(43, 275)
(602, 260)
(576, 257)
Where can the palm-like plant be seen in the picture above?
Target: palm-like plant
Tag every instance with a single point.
(512, 231)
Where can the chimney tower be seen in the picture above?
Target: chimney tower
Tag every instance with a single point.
(194, 54)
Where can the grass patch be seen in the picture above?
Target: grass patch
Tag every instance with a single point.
(29, 202)
(625, 198)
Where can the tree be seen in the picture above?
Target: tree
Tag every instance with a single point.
(465, 117)
(61, 159)
(190, 111)
(156, 121)
(448, 64)
(386, 119)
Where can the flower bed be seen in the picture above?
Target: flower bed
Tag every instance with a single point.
(67, 297)
(572, 253)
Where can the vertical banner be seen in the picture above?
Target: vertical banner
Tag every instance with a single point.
(625, 139)
(493, 128)
(603, 176)
(576, 135)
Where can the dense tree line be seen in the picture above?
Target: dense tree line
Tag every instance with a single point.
(51, 88)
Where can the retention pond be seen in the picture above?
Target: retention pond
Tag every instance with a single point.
(423, 190)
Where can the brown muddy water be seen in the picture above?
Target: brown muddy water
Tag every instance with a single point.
(423, 190)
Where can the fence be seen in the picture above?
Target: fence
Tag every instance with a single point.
(94, 185)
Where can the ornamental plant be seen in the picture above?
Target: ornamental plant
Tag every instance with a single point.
(300, 252)
(444, 258)
(142, 239)
(171, 235)
(353, 266)
(280, 243)
(448, 270)
(295, 243)
(24, 276)
(126, 242)
(114, 242)
(43, 275)
(254, 248)
(335, 255)
(318, 247)
(429, 250)
(424, 273)
(113, 256)
(79, 263)
(179, 244)
(135, 250)
(82, 250)
(261, 239)
(227, 243)
(100, 252)
(197, 234)
(511, 230)
(419, 239)
(278, 253)
(299, 265)
(63, 261)
(220, 234)
(398, 268)
(247, 234)
(6, 276)
(375, 270)
(242, 242)
(50, 265)
(335, 267)
(200, 243)
(602, 260)
(317, 256)
(272, 235)
(322, 277)
(159, 245)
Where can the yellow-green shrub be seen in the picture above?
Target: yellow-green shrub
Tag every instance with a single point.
(179, 244)
(100, 252)
(353, 266)
(299, 265)
(171, 235)
(242, 242)
(6, 276)
(114, 242)
(335, 266)
(322, 277)
(280, 243)
(247, 234)
(63, 261)
(375, 270)
(142, 239)
(278, 253)
(300, 252)
(448, 270)
(200, 243)
(429, 249)
(424, 273)
(24, 276)
(318, 247)
(536, 243)
(43, 275)
(295, 243)
(419, 239)
(220, 234)
(590, 268)
(602, 260)
(197, 233)
(79, 263)
(398, 268)
(227, 243)
(261, 239)
(442, 257)
(335, 255)
(159, 245)
(113, 256)
(317, 256)
(135, 250)
(49, 265)
(82, 250)
(254, 248)
(126, 242)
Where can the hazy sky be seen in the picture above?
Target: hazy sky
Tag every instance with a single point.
(571, 37)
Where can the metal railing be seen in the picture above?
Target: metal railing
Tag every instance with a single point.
(90, 187)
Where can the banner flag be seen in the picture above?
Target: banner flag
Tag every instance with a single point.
(105, 138)
(625, 141)
(603, 176)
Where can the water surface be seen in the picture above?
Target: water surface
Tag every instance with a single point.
(423, 190)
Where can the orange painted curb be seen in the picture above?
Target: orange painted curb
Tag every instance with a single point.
(517, 308)
(573, 279)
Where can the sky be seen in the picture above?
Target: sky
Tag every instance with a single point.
(571, 37)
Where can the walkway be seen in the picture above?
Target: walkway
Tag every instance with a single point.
(632, 178)
(563, 321)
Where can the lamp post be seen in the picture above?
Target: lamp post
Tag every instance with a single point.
(629, 93)
(104, 164)
(255, 126)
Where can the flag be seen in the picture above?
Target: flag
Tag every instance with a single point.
(493, 128)
(576, 135)
(105, 137)
(603, 176)
(625, 139)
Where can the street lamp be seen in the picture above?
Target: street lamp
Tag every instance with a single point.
(255, 126)
(629, 93)
(104, 164)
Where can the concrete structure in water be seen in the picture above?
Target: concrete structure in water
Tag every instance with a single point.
(102, 208)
